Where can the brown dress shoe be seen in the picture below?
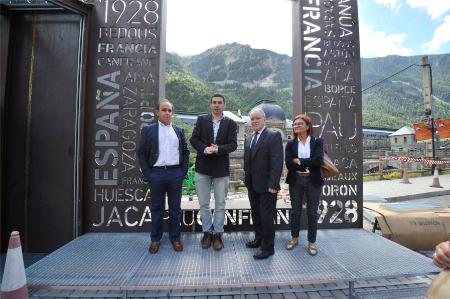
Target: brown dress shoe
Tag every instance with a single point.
(177, 246)
(154, 247)
(206, 240)
(217, 242)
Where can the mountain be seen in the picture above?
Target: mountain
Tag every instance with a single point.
(235, 65)
(376, 69)
(246, 75)
(183, 88)
(399, 100)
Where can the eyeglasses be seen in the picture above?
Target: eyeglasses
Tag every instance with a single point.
(298, 124)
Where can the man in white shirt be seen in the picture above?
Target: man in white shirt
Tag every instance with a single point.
(164, 157)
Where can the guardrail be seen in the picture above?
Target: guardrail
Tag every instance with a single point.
(385, 174)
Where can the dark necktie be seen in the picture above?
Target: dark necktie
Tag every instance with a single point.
(255, 138)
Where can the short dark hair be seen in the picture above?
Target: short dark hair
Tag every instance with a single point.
(163, 101)
(218, 95)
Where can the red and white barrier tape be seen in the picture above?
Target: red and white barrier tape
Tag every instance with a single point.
(419, 160)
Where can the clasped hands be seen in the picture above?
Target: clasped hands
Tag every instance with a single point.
(212, 149)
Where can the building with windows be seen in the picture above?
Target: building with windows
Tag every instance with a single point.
(275, 117)
(376, 142)
(403, 142)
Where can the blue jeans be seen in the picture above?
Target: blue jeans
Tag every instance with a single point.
(162, 182)
(203, 185)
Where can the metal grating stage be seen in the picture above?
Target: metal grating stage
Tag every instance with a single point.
(121, 262)
(193, 267)
(401, 293)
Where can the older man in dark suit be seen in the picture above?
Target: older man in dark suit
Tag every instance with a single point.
(263, 165)
(164, 157)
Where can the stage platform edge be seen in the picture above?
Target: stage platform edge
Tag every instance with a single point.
(120, 263)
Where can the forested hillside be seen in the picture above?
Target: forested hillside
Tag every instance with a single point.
(247, 75)
(399, 101)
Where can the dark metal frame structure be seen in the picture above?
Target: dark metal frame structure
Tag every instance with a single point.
(85, 11)
(86, 207)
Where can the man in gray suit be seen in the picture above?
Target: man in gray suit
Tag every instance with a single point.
(263, 165)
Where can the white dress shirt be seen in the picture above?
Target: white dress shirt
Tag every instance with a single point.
(304, 150)
(216, 125)
(257, 137)
(168, 146)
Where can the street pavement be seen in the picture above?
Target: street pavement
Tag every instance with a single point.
(394, 190)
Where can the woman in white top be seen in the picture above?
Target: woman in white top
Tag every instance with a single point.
(304, 155)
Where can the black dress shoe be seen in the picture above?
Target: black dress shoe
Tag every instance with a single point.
(253, 244)
(263, 254)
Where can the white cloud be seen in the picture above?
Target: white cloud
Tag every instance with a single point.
(440, 37)
(196, 25)
(392, 4)
(379, 44)
(435, 8)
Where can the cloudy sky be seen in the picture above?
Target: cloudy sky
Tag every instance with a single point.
(387, 27)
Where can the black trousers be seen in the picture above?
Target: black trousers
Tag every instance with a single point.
(303, 189)
(263, 212)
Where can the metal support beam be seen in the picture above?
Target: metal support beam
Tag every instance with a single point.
(427, 83)
(351, 289)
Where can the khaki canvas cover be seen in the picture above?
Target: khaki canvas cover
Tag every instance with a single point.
(420, 229)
